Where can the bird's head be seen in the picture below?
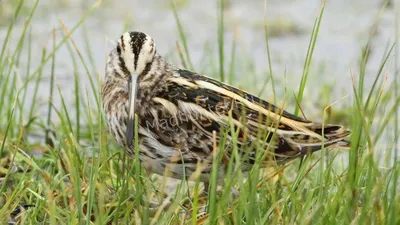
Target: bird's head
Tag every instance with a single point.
(136, 50)
(132, 58)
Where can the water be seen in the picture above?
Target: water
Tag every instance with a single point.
(344, 30)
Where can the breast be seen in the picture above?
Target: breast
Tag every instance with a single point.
(115, 108)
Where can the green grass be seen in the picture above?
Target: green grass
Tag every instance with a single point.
(65, 165)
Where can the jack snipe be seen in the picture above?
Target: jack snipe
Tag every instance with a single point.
(181, 112)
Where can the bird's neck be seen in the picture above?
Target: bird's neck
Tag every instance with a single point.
(152, 80)
(154, 72)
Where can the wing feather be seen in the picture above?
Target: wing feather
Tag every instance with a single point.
(201, 105)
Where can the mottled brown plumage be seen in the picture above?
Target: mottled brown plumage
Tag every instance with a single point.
(179, 112)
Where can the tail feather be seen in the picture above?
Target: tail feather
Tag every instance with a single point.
(292, 146)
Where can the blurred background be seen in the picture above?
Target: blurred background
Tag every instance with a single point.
(344, 32)
(59, 162)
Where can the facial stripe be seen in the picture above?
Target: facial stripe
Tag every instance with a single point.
(127, 55)
(121, 61)
(122, 42)
(146, 70)
(137, 40)
(123, 66)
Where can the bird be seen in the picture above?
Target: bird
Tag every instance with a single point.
(183, 117)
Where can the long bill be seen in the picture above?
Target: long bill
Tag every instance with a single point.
(132, 87)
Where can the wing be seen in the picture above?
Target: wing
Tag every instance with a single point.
(192, 107)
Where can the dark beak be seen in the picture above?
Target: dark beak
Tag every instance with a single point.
(132, 87)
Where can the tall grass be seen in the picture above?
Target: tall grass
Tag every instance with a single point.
(82, 177)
